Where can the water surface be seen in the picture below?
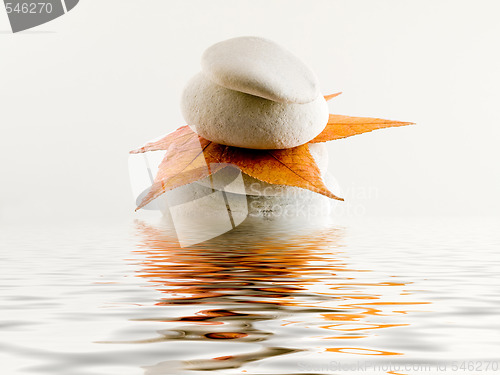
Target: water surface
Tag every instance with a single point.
(365, 296)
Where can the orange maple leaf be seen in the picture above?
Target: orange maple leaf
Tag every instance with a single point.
(339, 126)
(190, 158)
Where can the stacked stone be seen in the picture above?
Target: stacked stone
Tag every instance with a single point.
(253, 93)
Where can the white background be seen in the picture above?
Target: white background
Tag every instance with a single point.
(78, 93)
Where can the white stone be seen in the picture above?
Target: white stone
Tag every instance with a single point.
(260, 67)
(253, 197)
(200, 213)
(203, 204)
(242, 120)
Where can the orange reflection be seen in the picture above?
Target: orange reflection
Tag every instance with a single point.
(362, 351)
(268, 273)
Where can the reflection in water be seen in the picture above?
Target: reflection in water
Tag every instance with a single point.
(285, 287)
(267, 299)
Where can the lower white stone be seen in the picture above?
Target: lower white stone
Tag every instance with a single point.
(206, 204)
(199, 213)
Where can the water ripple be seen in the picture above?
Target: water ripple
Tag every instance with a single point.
(267, 298)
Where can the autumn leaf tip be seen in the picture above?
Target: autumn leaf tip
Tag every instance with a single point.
(336, 198)
(331, 96)
(405, 123)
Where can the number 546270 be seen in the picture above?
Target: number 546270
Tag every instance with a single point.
(26, 8)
